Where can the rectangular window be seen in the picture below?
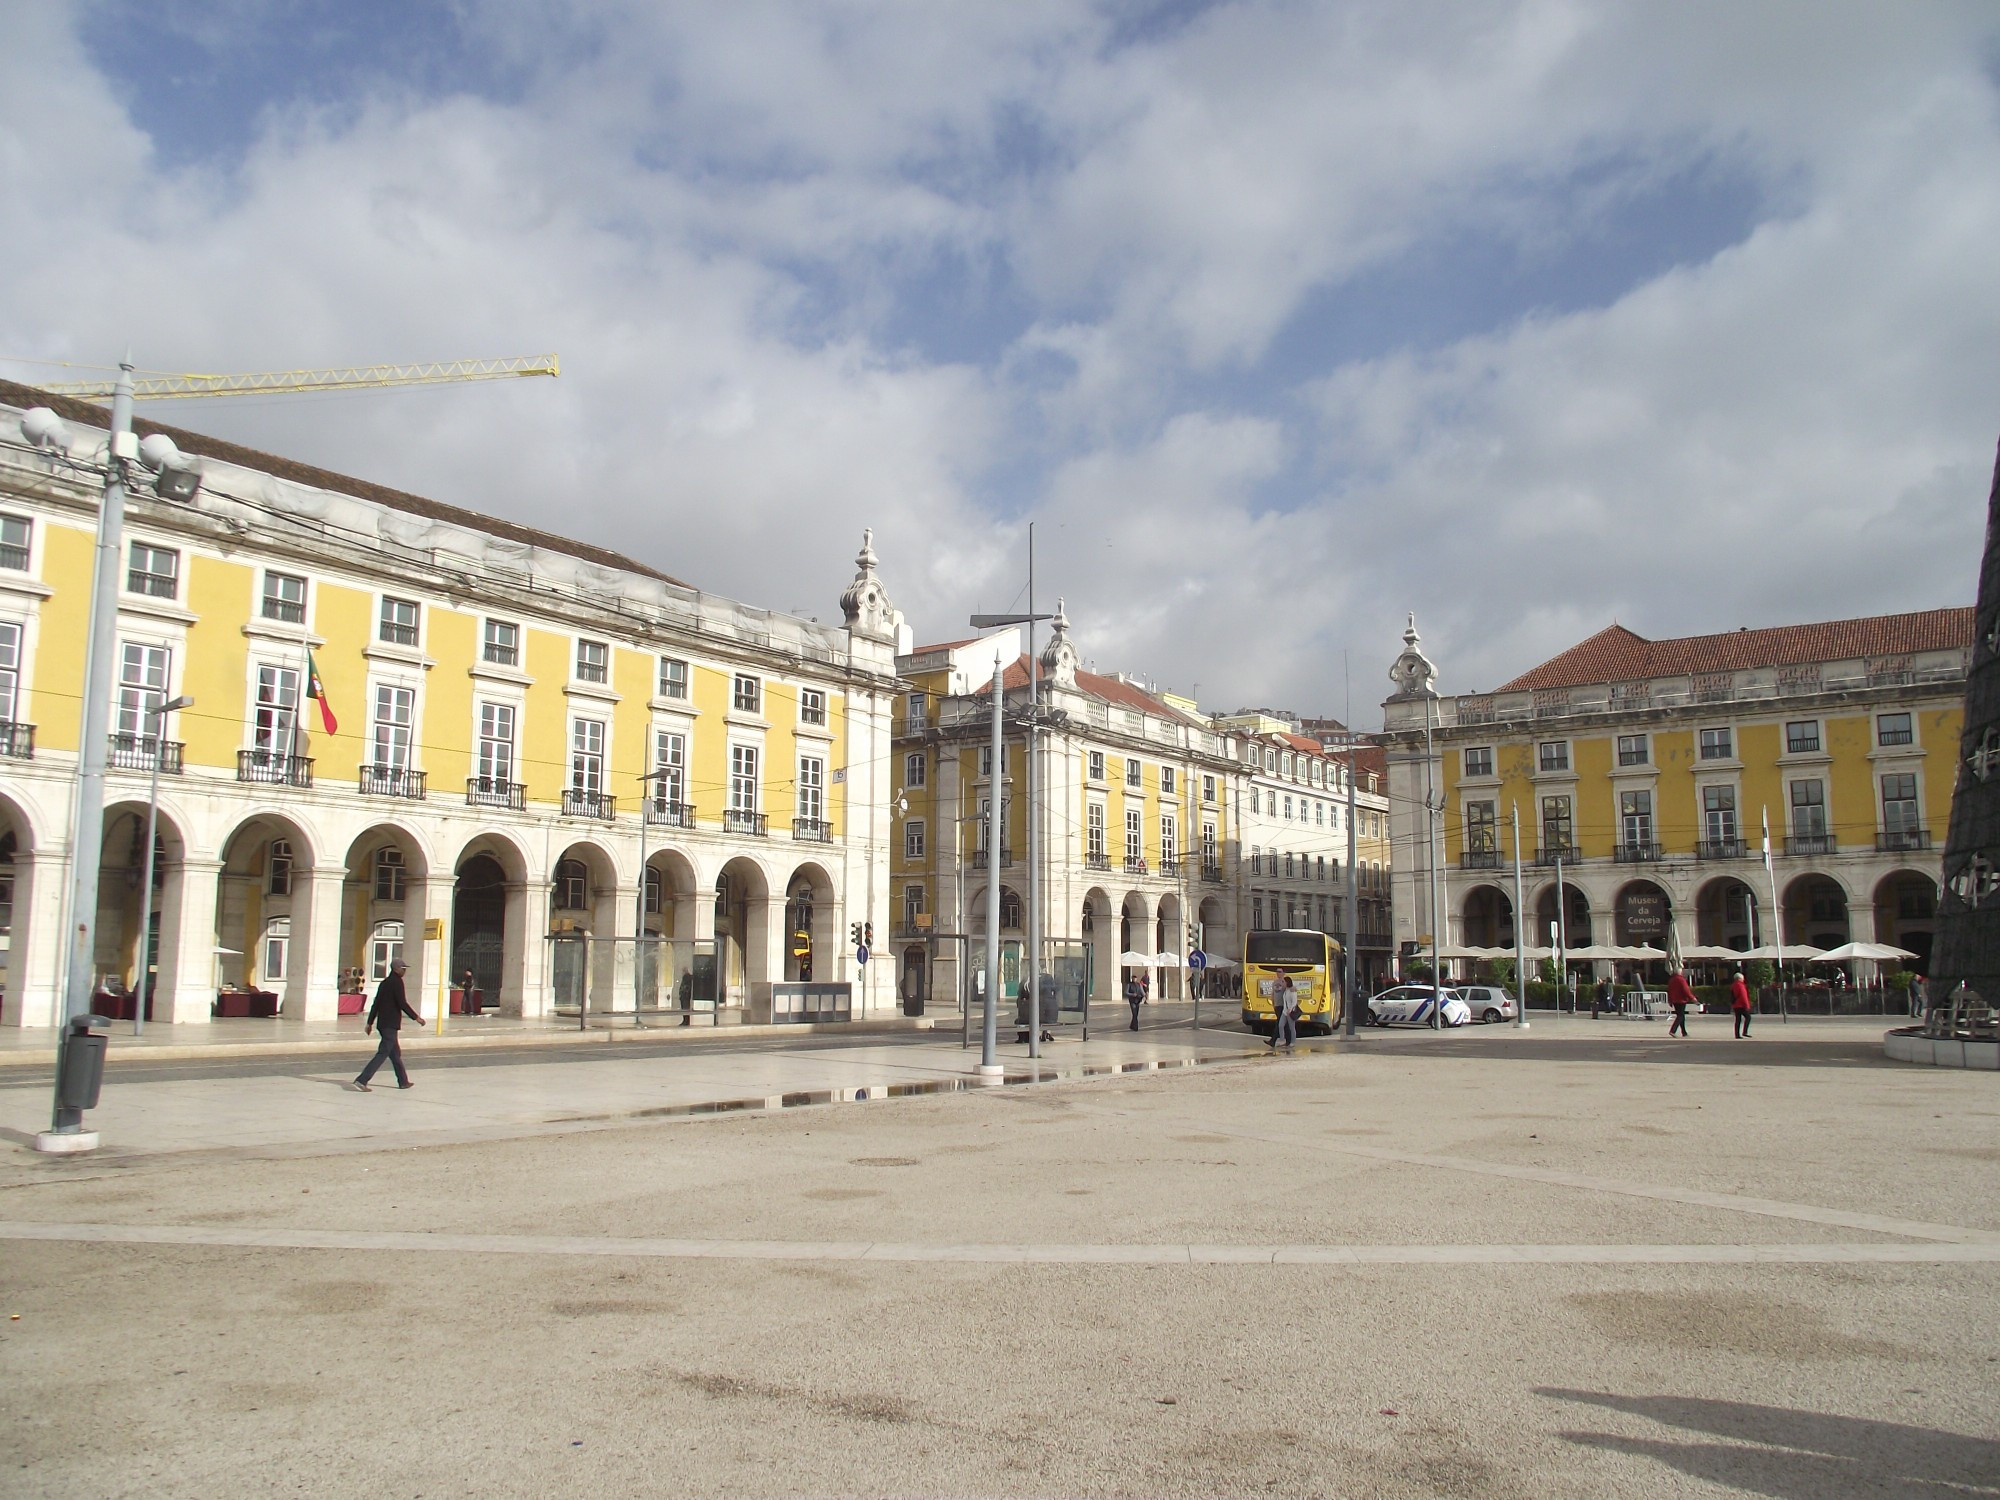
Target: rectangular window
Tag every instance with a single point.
(394, 710)
(913, 839)
(1094, 830)
(142, 686)
(1635, 819)
(1319, 814)
(670, 768)
(1802, 737)
(1134, 777)
(154, 570)
(913, 905)
(1170, 843)
(1632, 750)
(1899, 804)
(748, 695)
(1482, 834)
(1166, 781)
(496, 742)
(1809, 809)
(1893, 729)
(812, 706)
(586, 756)
(10, 672)
(1208, 790)
(916, 770)
(1095, 765)
(1288, 864)
(1208, 843)
(1556, 824)
(15, 534)
(276, 711)
(1288, 808)
(1718, 813)
(673, 677)
(1256, 860)
(1479, 760)
(500, 643)
(1257, 913)
(917, 714)
(284, 598)
(399, 621)
(812, 789)
(1717, 744)
(593, 661)
(1135, 836)
(986, 760)
(1554, 755)
(743, 778)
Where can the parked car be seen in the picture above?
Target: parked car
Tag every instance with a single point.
(1487, 1002)
(1410, 1005)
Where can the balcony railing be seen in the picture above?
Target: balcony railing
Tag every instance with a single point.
(496, 791)
(1212, 873)
(1564, 852)
(980, 858)
(1720, 849)
(392, 781)
(17, 741)
(1639, 852)
(735, 820)
(134, 752)
(1899, 840)
(1171, 868)
(1479, 859)
(578, 803)
(668, 814)
(1134, 865)
(268, 768)
(812, 830)
(1099, 861)
(1810, 843)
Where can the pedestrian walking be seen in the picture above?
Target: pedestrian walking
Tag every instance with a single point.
(1739, 1003)
(1919, 997)
(1135, 996)
(385, 1018)
(1285, 1011)
(1601, 999)
(1680, 995)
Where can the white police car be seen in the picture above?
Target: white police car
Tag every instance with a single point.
(1411, 1005)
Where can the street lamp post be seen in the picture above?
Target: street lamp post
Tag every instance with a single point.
(159, 736)
(989, 1067)
(646, 779)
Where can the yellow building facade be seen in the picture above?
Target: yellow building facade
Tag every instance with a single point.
(592, 784)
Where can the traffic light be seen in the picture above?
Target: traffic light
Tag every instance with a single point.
(854, 934)
(867, 934)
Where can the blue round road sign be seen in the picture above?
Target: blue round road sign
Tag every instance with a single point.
(861, 955)
(1197, 959)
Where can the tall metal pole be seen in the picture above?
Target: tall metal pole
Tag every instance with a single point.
(1520, 929)
(87, 835)
(1562, 937)
(988, 1065)
(1032, 977)
(1353, 885)
(1430, 858)
(159, 717)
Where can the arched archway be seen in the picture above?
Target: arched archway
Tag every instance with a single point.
(812, 924)
(489, 924)
(1135, 935)
(1577, 931)
(584, 956)
(747, 928)
(382, 912)
(1488, 921)
(1170, 936)
(1643, 915)
(1906, 915)
(1100, 941)
(1815, 912)
(1724, 911)
(277, 923)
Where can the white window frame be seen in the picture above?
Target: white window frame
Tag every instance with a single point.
(10, 671)
(142, 571)
(812, 789)
(913, 839)
(586, 756)
(916, 770)
(274, 713)
(746, 694)
(139, 663)
(669, 768)
(390, 624)
(1094, 831)
(494, 766)
(17, 539)
(499, 642)
(812, 707)
(274, 605)
(675, 679)
(392, 739)
(592, 663)
(743, 782)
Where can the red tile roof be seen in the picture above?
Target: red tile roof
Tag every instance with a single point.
(1616, 654)
(1110, 689)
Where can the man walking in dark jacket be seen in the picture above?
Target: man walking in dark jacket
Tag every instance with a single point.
(385, 1017)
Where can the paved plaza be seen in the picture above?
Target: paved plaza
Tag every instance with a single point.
(1582, 1261)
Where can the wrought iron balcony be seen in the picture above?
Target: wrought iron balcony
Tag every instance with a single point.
(1720, 849)
(1810, 843)
(268, 768)
(1134, 865)
(812, 830)
(134, 752)
(980, 857)
(1900, 840)
(1567, 853)
(17, 741)
(735, 820)
(578, 803)
(1171, 868)
(668, 814)
(1097, 861)
(496, 791)
(1639, 852)
(392, 781)
(1479, 859)
(1212, 873)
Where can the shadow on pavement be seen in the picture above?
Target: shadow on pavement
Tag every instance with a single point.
(1796, 1455)
(1816, 1052)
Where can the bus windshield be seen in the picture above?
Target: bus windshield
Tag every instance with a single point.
(1285, 948)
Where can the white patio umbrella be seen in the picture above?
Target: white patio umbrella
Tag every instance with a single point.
(1131, 960)
(1701, 952)
(1218, 961)
(1167, 960)
(1641, 953)
(1466, 950)
(1877, 952)
(1793, 953)
(1594, 951)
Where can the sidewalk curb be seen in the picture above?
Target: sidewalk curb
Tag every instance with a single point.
(417, 1042)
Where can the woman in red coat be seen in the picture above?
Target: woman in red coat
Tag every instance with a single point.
(1680, 995)
(1739, 1002)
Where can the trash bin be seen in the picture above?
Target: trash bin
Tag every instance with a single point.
(82, 1064)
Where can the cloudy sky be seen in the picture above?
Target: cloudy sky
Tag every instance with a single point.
(1279, 319)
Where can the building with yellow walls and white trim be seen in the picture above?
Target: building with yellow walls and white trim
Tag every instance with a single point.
(502, 696)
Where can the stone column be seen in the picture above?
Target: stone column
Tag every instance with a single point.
(312, 973)
(35, 945)
(524, 988)
(427, 901)
(764, 939)
(187, 943)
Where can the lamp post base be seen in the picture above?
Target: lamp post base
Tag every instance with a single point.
(66, 1142)
(990, 1072)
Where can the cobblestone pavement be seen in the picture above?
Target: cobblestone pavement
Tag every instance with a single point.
(1575, 1262)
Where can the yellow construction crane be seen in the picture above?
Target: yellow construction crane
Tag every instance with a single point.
(343, 378)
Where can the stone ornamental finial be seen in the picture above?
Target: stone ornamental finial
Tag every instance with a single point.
(1059, 658)
(1413, 673)
(865, 605)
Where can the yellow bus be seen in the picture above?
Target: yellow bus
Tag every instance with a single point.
(1314, 962)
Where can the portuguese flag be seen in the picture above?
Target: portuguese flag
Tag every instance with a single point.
(316, 690)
